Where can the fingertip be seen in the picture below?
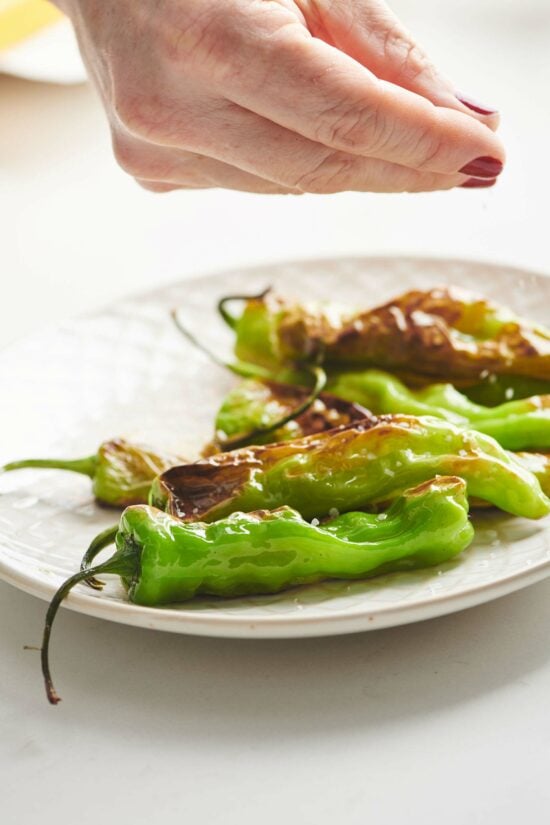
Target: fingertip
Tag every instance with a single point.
(478, 183)
(486, 114)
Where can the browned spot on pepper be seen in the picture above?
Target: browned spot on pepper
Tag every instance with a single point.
(442, 332)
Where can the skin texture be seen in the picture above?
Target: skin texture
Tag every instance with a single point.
(356, 466)
(278, 96)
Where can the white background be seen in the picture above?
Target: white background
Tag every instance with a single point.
(441, 721)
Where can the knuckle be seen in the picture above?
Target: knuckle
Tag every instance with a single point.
(141, 160)
(349, 126)
(128, 156)
(410, 60)
(154, 119)
(138, 114)
(416, 64)
(219, 42)
(331, 175)
(429, 149)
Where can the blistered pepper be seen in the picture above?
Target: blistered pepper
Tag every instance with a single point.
(121, 472)
(444, 333)
(252, 407)
(350, 467)
(517, 425)
(162, 560)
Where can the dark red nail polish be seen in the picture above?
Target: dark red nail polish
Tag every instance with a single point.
(480, 108)
(478, 183)
(483, 168)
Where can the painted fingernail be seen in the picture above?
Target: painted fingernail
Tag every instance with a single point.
(475, 106)
(477, 183)
(483, 168)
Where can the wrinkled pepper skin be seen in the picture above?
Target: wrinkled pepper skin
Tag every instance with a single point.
(162, 560)
(265, 552)
(121, 472)
(444, 333)
(356, 466)
(253, 404)
(517, 425)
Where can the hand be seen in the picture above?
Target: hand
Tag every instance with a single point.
(279, 96)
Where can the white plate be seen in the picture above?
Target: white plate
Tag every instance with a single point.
(127, 372)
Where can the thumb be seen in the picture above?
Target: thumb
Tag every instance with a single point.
(370, 33)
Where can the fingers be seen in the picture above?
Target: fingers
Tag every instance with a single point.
(161, 169)
(324, 95)
(370, 32)
(239, 150)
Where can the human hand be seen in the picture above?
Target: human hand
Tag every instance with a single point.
(283, 96)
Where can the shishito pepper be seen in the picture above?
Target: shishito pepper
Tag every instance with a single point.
(350, 467)
(252, 407)
(162, 559)
(517, 425)
(444, 333)
(539, 465)
(121, 472)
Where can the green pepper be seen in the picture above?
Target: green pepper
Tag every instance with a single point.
(539, 465)
(162, 560)
(121, 472)
(443, 333)
(517, 425)
(253, 407)
(350, 467)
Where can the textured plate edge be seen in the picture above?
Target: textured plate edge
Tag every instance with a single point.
(275, 627)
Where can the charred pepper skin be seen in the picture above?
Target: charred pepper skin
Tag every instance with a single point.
(517, 425)
(444, 333)
(253, 404)
(121, 472)
(360, 465)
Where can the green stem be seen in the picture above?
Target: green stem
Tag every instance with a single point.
(240, 368)
(102, 540)
(229, 319)
(320, 378)
(122, 563)
(86, 466)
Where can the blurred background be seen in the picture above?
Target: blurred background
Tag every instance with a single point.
(78, 233)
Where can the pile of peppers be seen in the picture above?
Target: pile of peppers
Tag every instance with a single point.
(355, 446)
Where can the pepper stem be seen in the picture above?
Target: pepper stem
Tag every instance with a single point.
(122, 563)
(86, 466)
(320, 380)
(230, 319)
(240, 368)
(102, 540)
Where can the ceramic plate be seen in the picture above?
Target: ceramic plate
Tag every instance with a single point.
(127, 372)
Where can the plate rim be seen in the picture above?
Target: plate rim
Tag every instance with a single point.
(272, 625)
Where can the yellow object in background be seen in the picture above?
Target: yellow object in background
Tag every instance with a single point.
(21, 18)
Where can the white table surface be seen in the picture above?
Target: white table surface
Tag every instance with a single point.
(445, 720)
